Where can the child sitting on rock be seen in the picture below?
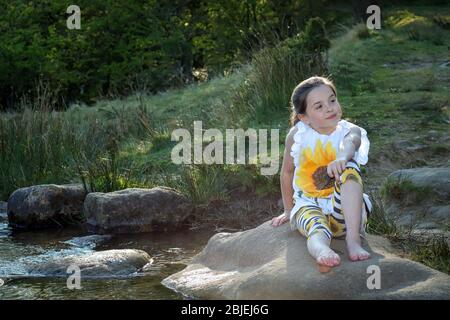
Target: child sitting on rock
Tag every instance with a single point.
(321, 180)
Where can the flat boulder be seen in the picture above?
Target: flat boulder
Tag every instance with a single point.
(46, 205)
(109, 263)
(136, 210)
(436, 179)
(418, 198)
(274, 263)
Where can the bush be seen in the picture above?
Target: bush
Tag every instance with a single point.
(442, 21)
(418, 28)
(124, 47)
(202, 183)
(121, 47)
(419, 32)
(277, 70)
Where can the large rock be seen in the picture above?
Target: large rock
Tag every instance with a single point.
(47, 205)
(437, 179)
(418, 198)
(109, 263)
(273, 263)
(136, 210)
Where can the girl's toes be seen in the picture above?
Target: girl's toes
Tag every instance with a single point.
(357, 253)
(337, 260)
(330, 260)
(354, 257)
(323, 261)
(364, 256)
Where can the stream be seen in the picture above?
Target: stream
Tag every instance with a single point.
(170, 251)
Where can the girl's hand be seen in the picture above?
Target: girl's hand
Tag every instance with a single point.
(336, 167)
(278, 221)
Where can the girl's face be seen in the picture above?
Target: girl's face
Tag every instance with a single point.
(323, 111)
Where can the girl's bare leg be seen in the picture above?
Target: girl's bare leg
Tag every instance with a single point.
(351, 197)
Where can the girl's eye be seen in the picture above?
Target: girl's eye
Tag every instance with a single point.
(320, 106)
(333, 100)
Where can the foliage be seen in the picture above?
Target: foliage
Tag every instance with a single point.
(277, 70)
(124, 47)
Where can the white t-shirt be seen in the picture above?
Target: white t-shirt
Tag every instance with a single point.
(312, 152)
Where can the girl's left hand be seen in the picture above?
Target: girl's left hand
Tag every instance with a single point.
(336, 167)
(278, 221)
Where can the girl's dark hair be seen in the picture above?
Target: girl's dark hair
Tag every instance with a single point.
(300, 93)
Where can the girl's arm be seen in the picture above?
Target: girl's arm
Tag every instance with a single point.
(347, 149)
(286, 176)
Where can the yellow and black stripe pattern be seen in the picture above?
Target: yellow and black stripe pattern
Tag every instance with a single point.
(311, 219)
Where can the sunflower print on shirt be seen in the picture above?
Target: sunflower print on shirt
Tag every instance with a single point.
(311, 176)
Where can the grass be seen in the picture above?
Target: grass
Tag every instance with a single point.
(126, 142)
(432, 251)
(442, 21)
(265, 92)
(366, 67)
(403, 190)
(366, 71)
(379, 223)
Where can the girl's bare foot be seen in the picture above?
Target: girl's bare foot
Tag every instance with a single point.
(319, 248)
(327, 259)
(355, 251)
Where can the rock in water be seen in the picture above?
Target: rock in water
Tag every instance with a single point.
(136, 210)
(274, 263)
(47, 205)
(109, 263)
(90, 241)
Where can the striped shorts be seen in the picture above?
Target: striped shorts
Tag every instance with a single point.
(311, 219)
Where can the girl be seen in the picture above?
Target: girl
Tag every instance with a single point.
(320, 180)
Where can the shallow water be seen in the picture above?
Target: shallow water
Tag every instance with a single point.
(169, 250)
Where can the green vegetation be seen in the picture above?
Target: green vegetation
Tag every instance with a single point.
(125, 143)
(393, 82)
(123, 47)
(275, 72)
(432, 251)
(402, 189)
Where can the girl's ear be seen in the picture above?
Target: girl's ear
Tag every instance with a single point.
(303, 118)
